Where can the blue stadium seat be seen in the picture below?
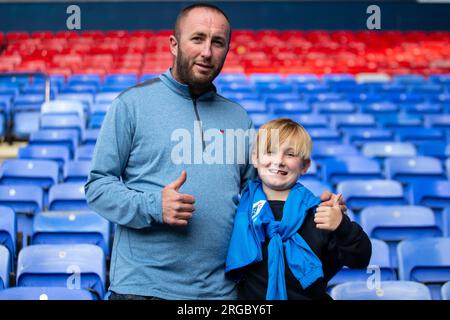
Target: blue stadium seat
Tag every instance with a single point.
(414, 169)
(42, 173)
(90, 136)
(231, 77)
(445, 291)
(326, 150)
(63, 107)
(239, 96)
(312, 172)
(22, 199)
(86, 98)
(76, 171)
(271, 88)
(59, 154)
(358, 137)
(67, 196)
(8, 229)
(362, 121)
(425, 260)
(79, 88)
(433, 194)
(400, 121)
(441, 121)
(421, 108)
(389, 290)
(389, 90)
(63, 122)
(289, 107)
(364, 98)
(28, 102)
(302, 78)
(5, 269)
(382, 150)
(408, 79)
(129, 79)
(440, 150)
(380, 108)
(310, 121)
(77, 266)
(85, 152)
(69, 227)
(312, 88)
(439, 78)
(325, 135)
(25, 123)
(446, 221)
(265, 78)
(105, 97)
(350, 168)
(85, 79)
(338, 78)
(427, 88)
(253, 106)
(56, 137)
(38, 88)
(237, 88)
(334, 107)
(418, 135)
(360, 194)
(45, 293)
(398, 97)
(315, 186)
(379, 262)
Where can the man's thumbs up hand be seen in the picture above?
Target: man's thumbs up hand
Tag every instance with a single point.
(177, 207)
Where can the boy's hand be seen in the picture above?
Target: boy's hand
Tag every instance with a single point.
(329, 198)
(329, 218)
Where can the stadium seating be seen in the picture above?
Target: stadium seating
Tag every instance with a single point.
(445, 291)
(431, 266)
(42, 173)
(67, 196)
(45, 293)
(5, 267)
(8, 229)
(389, 290)
(350, 168)
(77, 266)
(414, 169)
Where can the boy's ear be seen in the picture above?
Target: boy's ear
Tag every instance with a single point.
(306, 165)
(254, 159)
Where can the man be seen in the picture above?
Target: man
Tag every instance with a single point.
(174, 211)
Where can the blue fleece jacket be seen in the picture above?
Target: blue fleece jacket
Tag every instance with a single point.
(140, 149)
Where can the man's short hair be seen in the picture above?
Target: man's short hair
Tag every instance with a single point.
(183, 13)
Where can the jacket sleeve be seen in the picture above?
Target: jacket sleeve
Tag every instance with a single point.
(105, 192)
(348, 246)
(248, 171)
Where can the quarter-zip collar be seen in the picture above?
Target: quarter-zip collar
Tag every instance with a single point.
(183, 89)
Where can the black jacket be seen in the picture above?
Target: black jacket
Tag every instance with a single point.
(347, 246)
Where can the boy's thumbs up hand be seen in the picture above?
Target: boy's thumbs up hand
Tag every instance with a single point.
(329, 218)
(177, 207)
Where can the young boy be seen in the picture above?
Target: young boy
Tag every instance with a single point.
(284, 245)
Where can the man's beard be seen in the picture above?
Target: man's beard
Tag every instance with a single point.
(187, 76)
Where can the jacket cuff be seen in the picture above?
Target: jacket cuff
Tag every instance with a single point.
(154, 207)
(345, 228)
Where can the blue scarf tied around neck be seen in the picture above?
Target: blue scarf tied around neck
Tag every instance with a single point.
(254, 222)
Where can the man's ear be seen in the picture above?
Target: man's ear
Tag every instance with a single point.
(173, 45)
(306, 165)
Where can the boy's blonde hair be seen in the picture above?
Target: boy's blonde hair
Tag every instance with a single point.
(283, 129)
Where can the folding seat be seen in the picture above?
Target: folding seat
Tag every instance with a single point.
(41, 173)
(433, 194)
(67, 196)
(60, 154)
(105, 97)
(390, 89)
(5, 268)
(360, 194)
(441, 121)
(126, 79)
(114, 87)
(445, 291)
(79, 88)
(265, 78)
(240, 96)
(25, 123)
(421, 108)
(310, 121)
(237, 87)
(63, 137)
(311, 88)
(326, 150)
(302, 78)
(364, 98)
(425, 260)
(418, 135)
(396, 223)
(38, 89)
(253, 106)
(71, 227)
(324, 98)
(400, 121)
(362, 121)
(389, 290)
(379, 263)
(76, 171)
(404, 97)
(439, 78)
(334, 107)
(46, 293)
(446, 221)
(325, 135)
(407, 79)
(8, 229)
(352, 88)
(77, 266)
(414, 169)
(90, 136)
(382, 150)
(85, 152)
(440, 150)
(9, 89)
(289, 107)
(429, 88)
(447, 165)
(336, 170)
(338, 78)
(317, 187)
(28, 102)
(274, 88)
(231, 78)
(85, 79)
(86, 98)
(63, 107)
(149, 76)
(384, 107)
(63, 122)
(358, 136)
(312, 173)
